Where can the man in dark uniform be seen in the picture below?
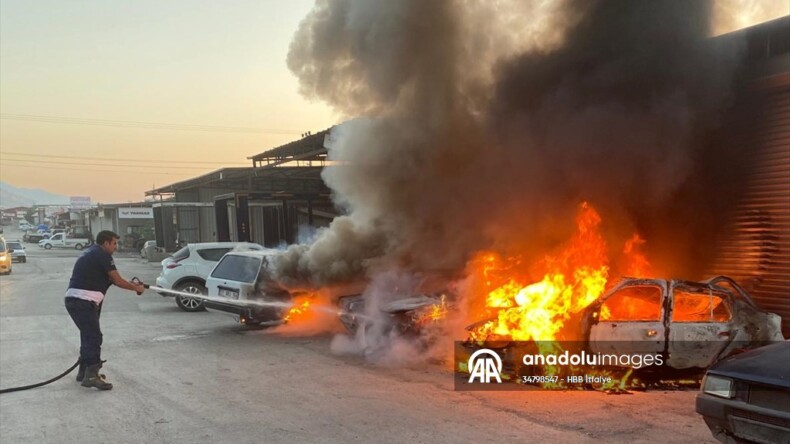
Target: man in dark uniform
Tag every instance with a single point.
(93, 274)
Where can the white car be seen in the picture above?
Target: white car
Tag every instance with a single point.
(187, 269)
(146, 246)
(239, 285)
(19, 254)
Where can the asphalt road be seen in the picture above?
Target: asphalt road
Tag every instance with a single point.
(203, 378)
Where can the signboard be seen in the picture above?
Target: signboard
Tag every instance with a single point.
(136, 213)
(80, 202)
(52, 210)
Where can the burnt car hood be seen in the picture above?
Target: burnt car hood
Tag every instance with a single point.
(765, 365)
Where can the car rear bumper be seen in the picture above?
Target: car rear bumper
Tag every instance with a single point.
(249, 311)
(161, 282)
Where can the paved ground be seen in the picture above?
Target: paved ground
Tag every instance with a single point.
(202, 378)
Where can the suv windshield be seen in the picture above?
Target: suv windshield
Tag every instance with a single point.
(237, 268)
(14, 245)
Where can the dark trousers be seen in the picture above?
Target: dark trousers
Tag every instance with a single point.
(85, 315)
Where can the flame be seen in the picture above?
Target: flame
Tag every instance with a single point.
(521, 308)
(637, 263)
(573, 278)
(301, 305)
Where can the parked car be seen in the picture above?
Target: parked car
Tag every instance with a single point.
(5, 257)
(18, 254)
(746, 397)
(238, 284)
(691, 324)
(146, 246)
(60, 240)
(32, 237)
(188, 268)
(674, 317)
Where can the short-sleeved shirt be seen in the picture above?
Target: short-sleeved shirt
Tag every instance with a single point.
(91, 272)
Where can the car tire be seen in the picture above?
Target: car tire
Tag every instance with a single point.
(190, 304)
(78, 247)
(24, 260)
(48, 247)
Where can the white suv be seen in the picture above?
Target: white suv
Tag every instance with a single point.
(187, 269)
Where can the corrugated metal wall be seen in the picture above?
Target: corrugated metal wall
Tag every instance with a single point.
(208, 225)
(188, 220)
(756, 249)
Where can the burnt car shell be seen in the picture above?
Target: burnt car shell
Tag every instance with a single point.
(757, 406)
(686, 335)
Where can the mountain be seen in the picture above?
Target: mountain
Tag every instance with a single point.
(11, 196)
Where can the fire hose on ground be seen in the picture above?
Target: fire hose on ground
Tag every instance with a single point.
(134, 280)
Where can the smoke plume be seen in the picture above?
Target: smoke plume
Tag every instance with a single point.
(483, 124)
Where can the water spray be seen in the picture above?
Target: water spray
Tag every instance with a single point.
(258, 303)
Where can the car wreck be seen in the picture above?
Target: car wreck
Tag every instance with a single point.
(693, 324)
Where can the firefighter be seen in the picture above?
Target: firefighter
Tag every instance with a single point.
(93, 274)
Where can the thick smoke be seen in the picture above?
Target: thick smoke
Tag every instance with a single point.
(482, 124)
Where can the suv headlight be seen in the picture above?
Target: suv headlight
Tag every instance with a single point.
(717, 386)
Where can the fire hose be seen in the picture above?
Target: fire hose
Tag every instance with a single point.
(135, 281)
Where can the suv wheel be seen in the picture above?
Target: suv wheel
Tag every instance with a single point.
(190, 304)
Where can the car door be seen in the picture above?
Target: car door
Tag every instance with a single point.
(700, 324)
(630, 319)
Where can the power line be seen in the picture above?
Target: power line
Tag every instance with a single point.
(117, 165)
(102, 159)
(146, 125)
(90, 170)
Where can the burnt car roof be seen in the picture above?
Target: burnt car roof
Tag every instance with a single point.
(720, 283)
(766, 365)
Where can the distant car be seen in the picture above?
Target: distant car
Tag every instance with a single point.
(5, 258)
(746, 397)
(238, 285)
(147, 245)
(18, 255)
(34, 238)
(186, 271)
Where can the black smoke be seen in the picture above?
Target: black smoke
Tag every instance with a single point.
(461, 137)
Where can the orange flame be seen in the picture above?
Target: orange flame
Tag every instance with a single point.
(522, 309)
(572, 279)
(301, 305)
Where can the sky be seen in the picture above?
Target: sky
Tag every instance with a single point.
(109, 99)
(114, 67)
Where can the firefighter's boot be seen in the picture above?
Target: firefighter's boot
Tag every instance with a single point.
(94, 379)
(81, 372)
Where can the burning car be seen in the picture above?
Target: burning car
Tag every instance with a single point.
(694, 324)
(406, 308)
(239, 284)
(691, 324)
